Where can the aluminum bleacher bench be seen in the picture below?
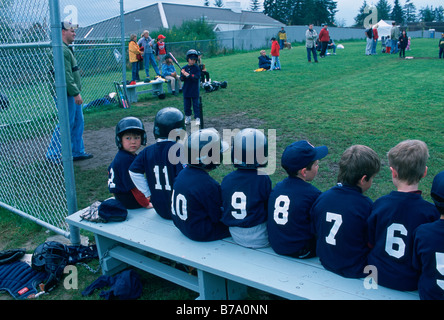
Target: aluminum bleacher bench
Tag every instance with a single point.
(224, 269)
(156, 89)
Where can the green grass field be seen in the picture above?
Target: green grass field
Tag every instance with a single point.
(343, 100)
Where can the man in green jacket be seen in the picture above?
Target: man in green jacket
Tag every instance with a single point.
(75, 101)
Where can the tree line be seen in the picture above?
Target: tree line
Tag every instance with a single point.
(402, 14)
(303, 12)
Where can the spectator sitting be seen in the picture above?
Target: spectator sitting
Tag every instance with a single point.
(264, 60)
(332, 45)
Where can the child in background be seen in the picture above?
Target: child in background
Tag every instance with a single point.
(289, 223)
(275, 63)
(161, 49)
(441, 46)
(190, 77)
(388, 44)
(428, 248)
(340, 214)
(395, 217)
(130, 135)
(169, 73)
(155, 168)
(245, 191)
(197, 200)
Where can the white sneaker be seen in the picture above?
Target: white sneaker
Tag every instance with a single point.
(187, 120)
(197, 121)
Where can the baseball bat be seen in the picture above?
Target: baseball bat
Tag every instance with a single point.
(174, 60)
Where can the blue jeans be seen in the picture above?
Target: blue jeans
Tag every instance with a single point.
(275, 63)
(149, 58)
(375, 42)
(135, 71)
(315, 54)
(394, 46)
(76, 124)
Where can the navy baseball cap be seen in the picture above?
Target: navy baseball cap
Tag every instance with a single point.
(299, 154)
(438, 189)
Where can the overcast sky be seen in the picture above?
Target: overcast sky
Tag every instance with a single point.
(347, 9)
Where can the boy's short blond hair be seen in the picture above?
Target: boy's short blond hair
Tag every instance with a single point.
(358, 161)
(409, 159)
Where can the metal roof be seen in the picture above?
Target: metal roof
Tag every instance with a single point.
(156, 16)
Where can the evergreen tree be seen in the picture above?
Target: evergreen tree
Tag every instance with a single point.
(255, 5)
(426, 14)
(439, 14)
(301, 12)
(359, 19)
(206, 3)
(410, 12)
(383, 10)
(397, 13)
(218, 3)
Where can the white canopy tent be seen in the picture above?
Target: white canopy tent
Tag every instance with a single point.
(383, 28)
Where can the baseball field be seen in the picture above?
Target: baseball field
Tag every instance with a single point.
(345, 99)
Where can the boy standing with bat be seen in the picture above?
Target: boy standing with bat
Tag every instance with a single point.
(190, 76)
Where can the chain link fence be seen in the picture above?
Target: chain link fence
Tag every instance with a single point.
(29, 184)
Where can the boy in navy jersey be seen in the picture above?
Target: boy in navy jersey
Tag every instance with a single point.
(395, 217)
(197, 201)
(340, 214)
(155, 168)
(428, 248)
(130, 135)
(190, 77)
(245, 191)
(289, 227)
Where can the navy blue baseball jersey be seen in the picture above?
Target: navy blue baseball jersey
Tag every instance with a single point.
(119, 180)
(197, 205)
(245, 196)
(391, 226)
(160, 172)
(428, 259)
(340, 222)
(191, 84)
(288, 223)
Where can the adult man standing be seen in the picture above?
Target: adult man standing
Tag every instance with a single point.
(369, 35)
(394, 35)
(310, 43)
(282, 38)
(75, 101)
(324, 38)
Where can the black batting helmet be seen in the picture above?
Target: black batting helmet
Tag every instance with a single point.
(126, 124)
(166, 120)
(205, 148)
(192, 54)
(250, 149)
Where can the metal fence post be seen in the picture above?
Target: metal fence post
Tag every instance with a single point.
(122, 40)
(62, 102)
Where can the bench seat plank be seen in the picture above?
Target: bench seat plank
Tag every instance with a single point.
(259, 268)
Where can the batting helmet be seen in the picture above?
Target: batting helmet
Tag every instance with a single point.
(192, 54)
(166, 120)
(126, 124)
(205, 148)
(250, 149)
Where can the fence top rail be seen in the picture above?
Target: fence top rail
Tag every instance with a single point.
(25, 45)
